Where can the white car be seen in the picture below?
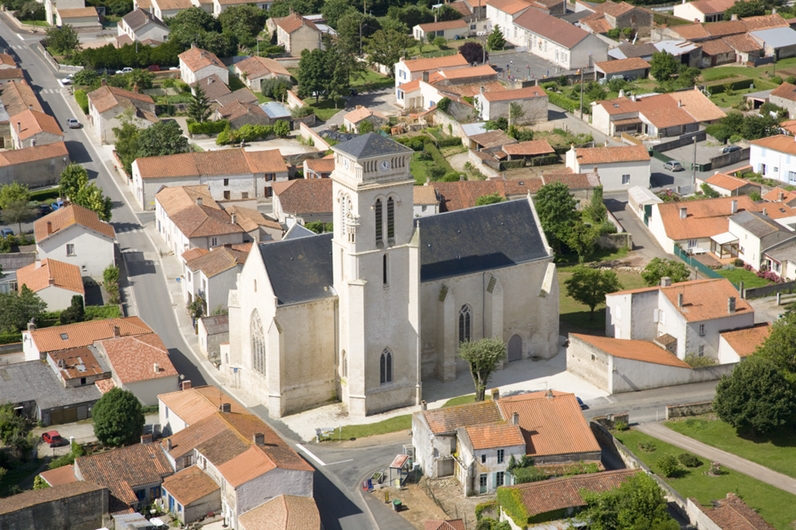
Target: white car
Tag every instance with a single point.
(65, 82)
(125, 70)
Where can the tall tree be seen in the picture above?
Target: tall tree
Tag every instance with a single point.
(659, 268)
(663, 66)
(386, 47)
(243, 21)
(118, 418)
(589, 286)
(780, 345)
(483, 357)
(596, 210)
(199, 107)
(91, 197)
(63, 40)
(516, 112)
(745, 9)
(583, 240)
(163, 138)
(76, 311)
(13, 192)
(18, 212)
(473, 52)
(73, 178)
(557, 211)
(312, 73)
(756, 398)
(17, 309)
(126, 141)
(638, 503)
(333, 10)
(496, 40)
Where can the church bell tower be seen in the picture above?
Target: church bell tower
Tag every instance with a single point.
(376, 275)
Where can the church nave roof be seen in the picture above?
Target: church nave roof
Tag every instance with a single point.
(300, 270)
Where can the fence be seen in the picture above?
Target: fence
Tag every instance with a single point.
(768, 290)
(693, 262)
(685, 139)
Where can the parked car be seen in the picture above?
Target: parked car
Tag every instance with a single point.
(5, 232)
(583, 406)
(673, 165)
(58, 204)
(66, 81)
(72, 123)
(44, 209)
(154, 68)
(730, 149)
(125, 70)
(53, 439)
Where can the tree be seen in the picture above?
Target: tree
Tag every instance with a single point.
(91, 197)
(756, 397)
(516, 112)
(495, 40)
(780, 345)
(199, 107)
(18, 212)
(365, 127)
(74, 313)
(118, 418)
(663, 66)
(490, 198)
(245, 22)
(126, 141)
(557, 211)
(589, 286)
(668, 465)
(745, 9)
(312, 73)
(221, 44)
(139, 80)
(473, 52)
(637, 504)
(86, 77)
(15, 433)
(63, 40)
(282, 128)
(163, 138)
(387, 47)
(483, 357)
(583, 240)
(596, 210)
(446, 12)
(17, 309)
(73, 178)
(13, 192)
(333, 10)
(659, 268)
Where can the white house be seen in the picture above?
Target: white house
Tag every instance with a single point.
(737, 344)
(140, 25)
(563, 44)
(75, 235)
(409, 70)
(196, 64)
(54, 281)
(702, 10)
(448, 30)
(30, 128)
(219, 6)
(425, 201)
(619, 168)
(532, 100)
(229, 174)
(684, 318)
(502, 13)
(209, 275)
(254, 70)
(773, 157)
(107, 106)
(164, 9)
(756, 233)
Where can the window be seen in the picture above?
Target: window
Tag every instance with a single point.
(167, 413)
(70, 249)
(702, 330)
(692, 243)
(140, 494)
(385, 367)
(625, 179)
(390, 218)
(379, 228)
(226, 182)
(776, 169)
(258, 343)
(701, 351)
(500, 455)
(255, 286)
(244, 195)
(213, 241)
(465, 317)
(82, 381)
(483, 459)
(500, 478)
(226, 195)
(384, 277)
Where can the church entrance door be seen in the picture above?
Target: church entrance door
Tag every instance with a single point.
(515, 348)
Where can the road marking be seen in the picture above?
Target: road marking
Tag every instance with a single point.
(340, 462)
(20, 36)
(309, 454)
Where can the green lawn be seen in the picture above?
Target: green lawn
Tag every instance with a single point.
(749, 278)
(42, 23)
(325, 108)
(235, 83)
(398, 423)
(577, 315)
(777, 452)
(774, 505)
(371, 80)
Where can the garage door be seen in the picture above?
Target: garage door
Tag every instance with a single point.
(515, 348)
(63, 416)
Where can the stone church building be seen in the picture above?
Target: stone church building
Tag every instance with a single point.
(365, 313)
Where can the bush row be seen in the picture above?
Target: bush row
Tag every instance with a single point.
(82, 99)
(207, 127)
(252, 133)
(564, 102)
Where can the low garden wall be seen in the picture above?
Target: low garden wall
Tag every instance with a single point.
(309, 135)
(616, 241)
(688, 409)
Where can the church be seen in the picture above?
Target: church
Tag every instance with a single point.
(364, 314)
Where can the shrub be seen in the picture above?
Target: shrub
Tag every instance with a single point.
(620, 425)
(694, 361)
(443, 104)
(668, 465)
(436, 172)
(484, 506)
(790, 80)
(451, 176)
(776, 80)
(101, 312)
(449, 141)
(648, 447)
(207, 127)
(689, 460)
(82, 99)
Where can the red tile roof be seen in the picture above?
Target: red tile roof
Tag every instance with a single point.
(108, 97)
(223, 162)
(529, 148)
(551, 425)
(294, 21)
(587, 156)
(32, 154)
(71, 215)
(284, 512)
(190, 485)
(29, 123)
(304, 196)
(196, 59)
(746, 341)
(516, 94)
(704, 218)
(138, 358)
(437, 63)
(551, 28)
(634, 350)
(31, 498)
(69, 360)
(451, 524)
(448, 419)
(59, 475)
(493, 435)
(727, 182)
(51, 273)
(85, 333)
(194, 404)
(623, 65)
(732, 513)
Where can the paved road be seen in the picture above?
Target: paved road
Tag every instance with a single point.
(763, 474)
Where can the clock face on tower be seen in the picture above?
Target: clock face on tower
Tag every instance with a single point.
(385, 165)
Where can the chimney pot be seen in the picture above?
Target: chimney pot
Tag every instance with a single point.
(258, 439)
(226, 407)
(679, 299)
(425, 77)
(146, 438)
(731, 305)
(734, 206)
(549, 393)
(423, 405)
(683, 212)
(515, 418)
(156, 368)
(168, 444)
(117, 331)
(49, 227)
(781, 196)
(51, 281)
(666, 281)
(233, 218)
(495, 394)
(186, 384)
(198, 201)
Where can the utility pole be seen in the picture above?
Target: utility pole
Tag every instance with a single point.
(693, 167)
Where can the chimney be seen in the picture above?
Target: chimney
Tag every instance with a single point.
(102, 82)
(117, 331)
(764, 212)
(168, 444)
(734, 206)
(423, 405)
(209, 80)
(186, 384)
(226, 407)
(31, 326)
(51, 281)
(621, 92)
(495, 394)
(679, 299)
(780, 197)
(773, 10)
(515, 418)
(632, 97)
(683, 212)
(679, 103)
(481, 89)
(198, 201)
(666, 281)
(146, 438)
(156, 368)
(549, 393)
(425, 77)
(734, 17)
(233, 218)
(50, 226)
(731, 305)
(258, 439)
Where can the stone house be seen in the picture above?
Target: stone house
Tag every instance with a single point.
(83, 504)
(213, 331)
(30, 128)
(303, 201)
(55, 282)
(37, 166)
(533, 101)
(209, 275)
(107, 105)
(297, 33)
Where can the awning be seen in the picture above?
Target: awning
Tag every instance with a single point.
(399, 461)
(723, 239)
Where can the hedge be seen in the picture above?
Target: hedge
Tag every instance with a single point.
(564, 102)
(439, 160)
(10, 338)
(207, 127)
(100, 312)
(449, 141)
(82, 100)
(43, 195)
(740, 84)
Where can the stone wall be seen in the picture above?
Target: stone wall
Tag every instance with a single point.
(610, 420)
(688, 409)
(75, 506)
(309, 134)
(616, 241)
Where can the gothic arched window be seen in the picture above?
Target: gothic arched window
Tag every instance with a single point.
(379, 227)
(385, 367)
(390, 218)
(465, 318)
(258, 343)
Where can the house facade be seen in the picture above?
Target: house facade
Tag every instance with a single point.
(532, 100)
(107, 105)
(558, 41)
(619, 168)
(773, 157)
(140, 25)
(55, 282)
(196, 64)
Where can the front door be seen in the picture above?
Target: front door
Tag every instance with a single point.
(482, 483)
(515, 348)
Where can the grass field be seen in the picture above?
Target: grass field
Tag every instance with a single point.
(749, 279)
(577, 315)
(398, 423)
(774, 505)
(372, 81)
(777, 452)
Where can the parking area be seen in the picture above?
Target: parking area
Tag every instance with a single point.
(524, 65)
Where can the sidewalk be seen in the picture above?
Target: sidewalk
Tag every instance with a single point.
(763, 474)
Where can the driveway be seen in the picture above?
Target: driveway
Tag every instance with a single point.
(645, 248)
(382, 100)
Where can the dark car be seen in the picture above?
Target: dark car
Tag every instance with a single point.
(44, 209)
(5, 232)
(53, 439)
(583, 406)
(154, 68)
(730, 149)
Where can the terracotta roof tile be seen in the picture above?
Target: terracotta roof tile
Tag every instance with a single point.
(196, 59)
(69, 360)
(320, 165)
(108, 97)
(712, 7)
(492, 435)
(442, 26)
(560, 493)
(656, 108)
(32, 498)
(450, 524)
(764, 22)
(304, 195)
(105, 385)
(516, 94)
(743, 43)
(437, 63)
(217, 261)
(494, 138)
(29, 123)
(134, 358)
(785, 91)
(716, 47)
(19, 96)
(32, 154)
(78, 12)
(192, 165)
(241, 95)
(236, 109)
(623, 65)
(169, 5)
(265, 161)
(294, 21)
(529, 148)
(464, 194)
(448, 419)
(12, 74)
(607, 155)
(213, 87)
(192, 253)
(635, 350)
(68, 216)
(704, 218)
(454, 74)
(512, 7)
(85, 333)
(552, 28)
(774, 195)
(249, 220)
(732, 513)
(194, 404)
(51, 273)
(574, 181)
(190, 485)
(695, 103)
(551, 425)
(361, 113)
(424, 195)
(255, 67)
(726, 182)
(59, 475)
(746, 341)
(284, 512)
(7, 60)
(247, 466)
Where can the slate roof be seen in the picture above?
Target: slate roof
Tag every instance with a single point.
(67, 216)
(479, 239)
(757, 224)
(28, 499)
(370, 145)
(285, 512)
(446, 420)
(299, 269)
(35, 381)
(51, 273)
